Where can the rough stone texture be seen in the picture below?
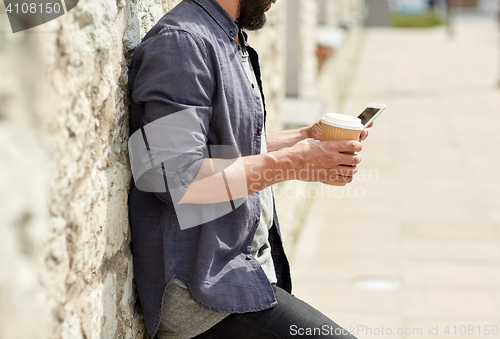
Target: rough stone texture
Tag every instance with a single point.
(24, 191)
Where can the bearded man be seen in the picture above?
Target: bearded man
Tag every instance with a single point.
(195, 84)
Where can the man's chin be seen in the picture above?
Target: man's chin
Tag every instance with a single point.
(254, 26)
(252, 14)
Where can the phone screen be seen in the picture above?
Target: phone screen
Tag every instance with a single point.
(367, 114)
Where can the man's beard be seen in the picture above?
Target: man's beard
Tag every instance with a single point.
(253, 14)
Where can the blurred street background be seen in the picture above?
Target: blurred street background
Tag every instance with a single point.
(414, 243)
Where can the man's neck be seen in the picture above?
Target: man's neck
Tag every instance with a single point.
(231, 6)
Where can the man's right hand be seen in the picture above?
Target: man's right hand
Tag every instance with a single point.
(313, 160)
(307, 160)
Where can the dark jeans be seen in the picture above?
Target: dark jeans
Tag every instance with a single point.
(291, 318)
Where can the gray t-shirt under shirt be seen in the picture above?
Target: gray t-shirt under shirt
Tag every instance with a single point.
(261, 248)
(182, 317)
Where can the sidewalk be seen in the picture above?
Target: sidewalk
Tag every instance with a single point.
(414, 242)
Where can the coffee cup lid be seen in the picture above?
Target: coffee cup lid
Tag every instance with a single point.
(342, 121)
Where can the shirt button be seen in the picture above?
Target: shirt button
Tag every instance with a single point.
(253, 85)
(248, 257)
(259, 131)
(232, 34)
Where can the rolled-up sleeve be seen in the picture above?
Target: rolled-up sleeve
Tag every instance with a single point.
(171, 80)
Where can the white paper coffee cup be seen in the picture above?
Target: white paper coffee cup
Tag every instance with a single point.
(336, 127)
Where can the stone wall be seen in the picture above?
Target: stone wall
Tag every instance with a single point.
(65, 261)
(24, 194)
(66, 267)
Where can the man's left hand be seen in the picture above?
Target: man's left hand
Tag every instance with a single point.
(364, 133)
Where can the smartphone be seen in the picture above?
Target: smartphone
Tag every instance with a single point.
(370, 113)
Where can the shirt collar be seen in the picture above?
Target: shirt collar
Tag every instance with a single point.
(220, 15)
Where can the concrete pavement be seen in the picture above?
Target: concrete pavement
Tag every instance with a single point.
(411, 249)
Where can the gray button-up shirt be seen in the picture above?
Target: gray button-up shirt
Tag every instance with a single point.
(190, 60)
